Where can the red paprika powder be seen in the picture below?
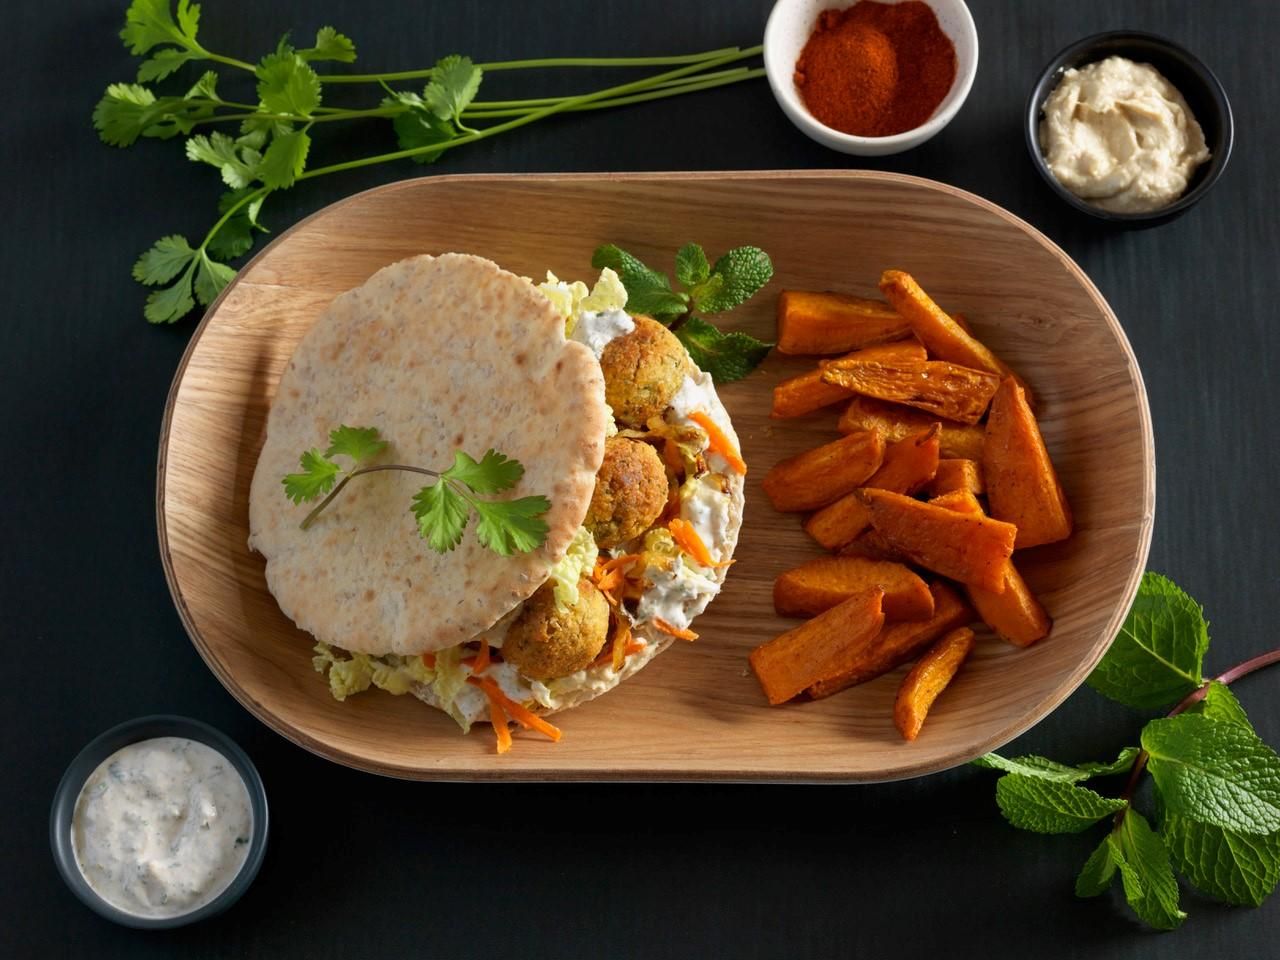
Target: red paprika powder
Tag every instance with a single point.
(876, 69)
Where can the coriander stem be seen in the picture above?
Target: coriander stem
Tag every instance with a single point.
(535, 115)
(533, 64)
(231, 210)
(310, 517)
(483, 106)
(1228, 677)
(659, 92)
(231, 61)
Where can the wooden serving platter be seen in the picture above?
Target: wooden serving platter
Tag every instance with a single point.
(696, 713)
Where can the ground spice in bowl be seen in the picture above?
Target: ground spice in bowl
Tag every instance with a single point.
(876, 69)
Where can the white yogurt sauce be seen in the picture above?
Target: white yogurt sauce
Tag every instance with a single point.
(699, 394)
(162, 827)
(678, 594)
(705, 507)
(597, 328)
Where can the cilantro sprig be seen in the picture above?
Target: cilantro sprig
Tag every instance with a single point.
(265, 141)
(1216, 784)
(705, 288)
(443, 507)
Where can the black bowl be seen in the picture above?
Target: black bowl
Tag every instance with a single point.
(1196, 82)
(101, 747)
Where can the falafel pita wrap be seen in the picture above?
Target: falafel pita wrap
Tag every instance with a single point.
(612, 423)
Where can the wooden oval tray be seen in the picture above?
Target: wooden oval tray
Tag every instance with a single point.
(696, 713)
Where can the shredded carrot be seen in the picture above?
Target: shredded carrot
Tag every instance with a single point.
(685, 634)
(621, 637)
(686, 537)
(611, 581)
(718, 441)
(626, 560)
(480, 662)
(429, 660)
(497, 716)
(519, 713)
(635, 646)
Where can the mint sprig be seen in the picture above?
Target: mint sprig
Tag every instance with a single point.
(1216, 785)
(443, 507)
(707, 288)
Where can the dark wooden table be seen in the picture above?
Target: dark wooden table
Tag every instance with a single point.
(360, 866)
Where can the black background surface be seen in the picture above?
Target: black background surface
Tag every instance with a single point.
(361, 866)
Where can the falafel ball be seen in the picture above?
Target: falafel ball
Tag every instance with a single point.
(545, 643)
(631, 491)
(642, 372)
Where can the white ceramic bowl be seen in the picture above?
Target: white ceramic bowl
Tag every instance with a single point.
(790, 25)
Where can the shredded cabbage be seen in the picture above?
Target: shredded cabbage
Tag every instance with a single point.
(607, 294)
(360, 671)
(569, 569)
(451, 679)
(571, 299)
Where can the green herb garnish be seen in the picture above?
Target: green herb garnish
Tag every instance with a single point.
(267, 141)
(1216, 784)
(443, 507)
(707, 288)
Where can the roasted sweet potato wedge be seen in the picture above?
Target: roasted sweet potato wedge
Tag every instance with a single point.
(871, 545)
(897, 422)
(824, 582)
(908, 465)
(817, 477)
(818, 649)
(1014, 614)
(956, 474)
(1022, 486)
(969, 548)
(928, 678)
(941, 334)
(810, 322)
(944, 389)
(899, 642)
(808, 392)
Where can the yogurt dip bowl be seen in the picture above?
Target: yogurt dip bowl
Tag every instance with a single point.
(200, 760)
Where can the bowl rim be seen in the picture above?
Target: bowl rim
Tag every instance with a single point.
(1212, 85)
(62, 810)
(309, 741)
(799, 114)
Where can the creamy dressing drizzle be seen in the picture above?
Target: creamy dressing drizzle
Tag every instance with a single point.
(162, 826)
(597, 328)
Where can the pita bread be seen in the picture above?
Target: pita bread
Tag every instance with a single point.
(440, 354)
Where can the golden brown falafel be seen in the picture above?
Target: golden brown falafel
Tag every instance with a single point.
(631, 490)
(642, 372)
(545, 643)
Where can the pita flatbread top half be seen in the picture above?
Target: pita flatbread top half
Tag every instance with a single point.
(440, 354)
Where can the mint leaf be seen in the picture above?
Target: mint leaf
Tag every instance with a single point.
(419, 127)
(494, 472)
(211, 277)
(1032, 766)
(238, 164)
(330, 45)
(287, 84)
(745, 270)
(1156, 659)
(358, 443)
(455, 81)
(1220, 703)
(692, 267)
(163, 261)
(284, 160)
(1120, 764)
(442, 515)
(1098, 870)
(317, 477)
(1145, 872)
(1214, 772)
(506, 526)
(648, 291)
(1234, 867)
(726, 356)
(1051, 806)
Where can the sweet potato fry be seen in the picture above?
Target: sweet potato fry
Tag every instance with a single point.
(899, 642)
(873, 546)
(807, 392)
(1014, 614)
(956, 474)
(896, 422)
(1022, 486)
(928, 678)
(820, 584)
(944, 389)
(945, 338)
(826, 473)
(908, 465)
(968, 548)
(816, 323)
(818, 649)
